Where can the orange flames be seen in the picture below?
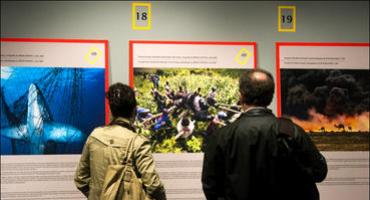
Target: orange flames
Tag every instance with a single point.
(321, 123)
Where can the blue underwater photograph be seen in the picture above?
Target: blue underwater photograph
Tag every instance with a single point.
(50, 110)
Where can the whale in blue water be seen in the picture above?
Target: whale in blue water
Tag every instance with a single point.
(40, 131)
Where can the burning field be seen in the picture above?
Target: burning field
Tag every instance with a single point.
(331, 105)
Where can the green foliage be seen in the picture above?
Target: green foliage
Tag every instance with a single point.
(224, 80)
(142, 131)
(144, 96)
(168, 146)
(194, 144)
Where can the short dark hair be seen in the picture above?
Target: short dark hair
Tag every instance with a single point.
(255, 91)
(122, 101)
(185, 122)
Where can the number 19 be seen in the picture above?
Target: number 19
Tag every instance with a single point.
(288, 19)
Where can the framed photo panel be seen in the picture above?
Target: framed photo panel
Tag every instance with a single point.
(52, 94)
(186, 89)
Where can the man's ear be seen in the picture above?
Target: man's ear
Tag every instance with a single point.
(241, 98)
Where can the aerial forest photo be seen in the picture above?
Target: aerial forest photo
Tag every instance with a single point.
(179, 108)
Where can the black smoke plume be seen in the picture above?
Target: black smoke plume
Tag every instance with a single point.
(329, 92)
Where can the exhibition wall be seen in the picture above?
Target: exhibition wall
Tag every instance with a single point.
(176, 29)
(317, 21)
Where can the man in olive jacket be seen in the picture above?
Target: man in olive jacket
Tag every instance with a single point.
(95, 158)
(241, 161)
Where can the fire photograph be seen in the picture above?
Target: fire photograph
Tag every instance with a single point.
(331, 105)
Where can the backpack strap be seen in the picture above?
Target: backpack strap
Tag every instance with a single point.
(286, 127)
(129, 150)
(285, 135)
(127, 160)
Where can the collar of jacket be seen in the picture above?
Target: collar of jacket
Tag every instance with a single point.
(121, 119)
(124, 122)
(257, 111)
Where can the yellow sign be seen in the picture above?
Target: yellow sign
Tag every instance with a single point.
(287, 18)
(93, 55)
(243, 56)
(141, 16)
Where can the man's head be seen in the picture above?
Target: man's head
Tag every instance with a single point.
(256, 88)
(185, 122)
(122, 100)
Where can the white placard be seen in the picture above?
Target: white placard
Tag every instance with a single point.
(47, 54)
(193, 55)
(324, 57)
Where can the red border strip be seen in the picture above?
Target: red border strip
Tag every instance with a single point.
(105, 42)
(278, 92)
(131, 63)
(51, 40)
(191, 42)
(132, 42)
(255, 55)
(322, 44)
(279, 44)
(106, 81)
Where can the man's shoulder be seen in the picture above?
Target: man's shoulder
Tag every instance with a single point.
(231, 126)
(246, 124)
(97, 131)
(289, 127)
(254, 119)
(111, 129)
(141, 139)
(117, 133)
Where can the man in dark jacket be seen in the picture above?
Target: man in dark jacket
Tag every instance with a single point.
(241, 161)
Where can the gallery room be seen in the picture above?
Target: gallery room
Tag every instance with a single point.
(193, 70)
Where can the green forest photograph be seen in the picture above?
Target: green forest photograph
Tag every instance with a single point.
(179, 108)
